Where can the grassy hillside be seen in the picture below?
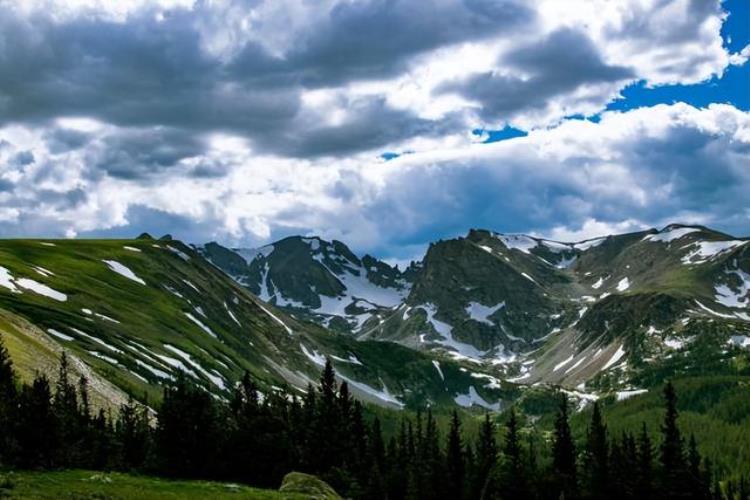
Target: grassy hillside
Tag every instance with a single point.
(112, 485)
(131, 313)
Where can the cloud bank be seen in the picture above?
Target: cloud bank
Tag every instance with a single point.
(244, 121)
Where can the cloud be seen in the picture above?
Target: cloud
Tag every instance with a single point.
(644, 167)
(564, 65)
(244, 121)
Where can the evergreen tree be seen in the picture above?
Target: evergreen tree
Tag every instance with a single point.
(645, 481)
(38, 436)
(454, 460)
(132, 432)
(596, 457)
(486, 458)
(672, 460)
(8, 408)
(187, 433)
(564, 453)
(65, 407)
(513, 478)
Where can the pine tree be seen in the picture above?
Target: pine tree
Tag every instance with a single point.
(187, 433)
(645, 481)
(596, 457)
(8, 408)
(65, 406)
(671, 450)
(38, 436)
(486, 458)
(454, 460)
(514, 480)
(564, 453)
(132, 432)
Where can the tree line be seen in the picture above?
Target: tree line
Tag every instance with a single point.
(256, 439)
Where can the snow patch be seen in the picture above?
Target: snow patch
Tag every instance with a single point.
(473, 398)
(123, 271)
(615, 358)
(623, 284)
(436, 364)
(704, 251)
(481, 313)
(275, 318)
(623, 395)
(670, 235)
(201, 325)
(59, 334)
(41, 289)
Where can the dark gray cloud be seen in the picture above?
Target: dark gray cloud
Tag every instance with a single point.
(366, 40)
(140, 153)
(151, 71)
(555, 66)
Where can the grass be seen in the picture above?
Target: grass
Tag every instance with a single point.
(82, 484)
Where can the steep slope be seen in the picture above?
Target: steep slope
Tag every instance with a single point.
(315, 279)
(653, 298)
(525, 308)
(131, 313)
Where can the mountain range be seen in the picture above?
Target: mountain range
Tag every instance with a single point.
(480, 321)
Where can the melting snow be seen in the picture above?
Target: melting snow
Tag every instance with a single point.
(615, 358)
(623, 284)
(190, 284)
(106, 358)
(436, 364)
(446, 331)
(41, 289)
(715, 313)
(586, 244)
(106, 318)
(316, 358)
(671, 234)
(217, 380)
(123, 271)
(132, 249)
(352, 359)
(96, 339)
(275, 318)
(178, 252)
(576, 365)
(598, 283)
(706, 250)
(231, 315)
(47, 244)
(44, 272)
(481, 313)
(473, 398)
(201, 325)
(519, 242)
(383, 394)
(529, 278)
(563, 363)
(154, 371)
(740, 340)
(623, 395)
(58, 334)
(6, 280)
(731, 298)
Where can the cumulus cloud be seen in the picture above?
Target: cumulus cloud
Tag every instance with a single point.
(648, 166)
(245, 121)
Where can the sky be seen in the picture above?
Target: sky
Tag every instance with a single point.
(386, 124)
